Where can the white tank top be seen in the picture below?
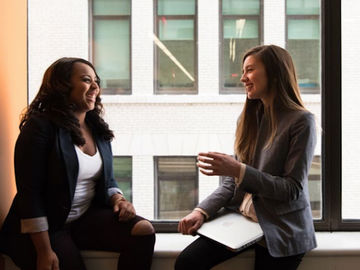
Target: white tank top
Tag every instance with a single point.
(89, 170)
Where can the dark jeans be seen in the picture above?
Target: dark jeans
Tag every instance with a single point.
(97, 229)
(203, 254)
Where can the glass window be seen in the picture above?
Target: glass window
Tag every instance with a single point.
(175, 47)
(315, 187)
(177, 187)
(240, 30)
(303, 42)
(123, 175)
(111, 45)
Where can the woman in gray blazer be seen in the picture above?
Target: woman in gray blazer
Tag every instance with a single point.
(67, 198)
(268, 180)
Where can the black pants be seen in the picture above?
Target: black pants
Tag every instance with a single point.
(203, 254)
(97, 229)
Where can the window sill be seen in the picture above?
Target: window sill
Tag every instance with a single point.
(337, 249)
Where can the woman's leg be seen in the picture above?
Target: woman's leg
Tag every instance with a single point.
(264, 261)
(99, 229)
(203, 254)
(21, 250)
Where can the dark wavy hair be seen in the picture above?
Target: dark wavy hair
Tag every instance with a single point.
(52, 101)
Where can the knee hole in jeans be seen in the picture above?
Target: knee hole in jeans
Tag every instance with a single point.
(143, 227)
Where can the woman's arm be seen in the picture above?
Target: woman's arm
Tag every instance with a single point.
(46, 257)
(31, 167)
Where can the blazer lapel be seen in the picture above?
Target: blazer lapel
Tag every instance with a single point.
(70, 159)
(106, 158)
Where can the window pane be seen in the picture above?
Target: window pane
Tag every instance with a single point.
(123, 174)
(303, 7)
(303, 29)
(239, 36)
(176, 7)
(241, 28)
(177, 181)
(304, 45)
(176, 29)
(350, 109)
(176, 56)
(243, 7)
(111, 7)
(112, 54)
(315, 187)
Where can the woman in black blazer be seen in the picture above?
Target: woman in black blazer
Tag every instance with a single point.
(67, 199)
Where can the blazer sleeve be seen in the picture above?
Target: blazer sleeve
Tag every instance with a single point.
(219, 198)
(31, 166)
(289, 185)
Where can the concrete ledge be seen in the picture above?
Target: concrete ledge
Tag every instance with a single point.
(338, 250)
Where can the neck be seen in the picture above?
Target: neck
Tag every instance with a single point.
(81, 118)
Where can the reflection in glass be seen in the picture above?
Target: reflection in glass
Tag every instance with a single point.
(112, 54)
(303, 42)
(240, 23)
(175, 44)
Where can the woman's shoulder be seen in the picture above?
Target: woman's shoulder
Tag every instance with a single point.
(295, 116)
(38, 123)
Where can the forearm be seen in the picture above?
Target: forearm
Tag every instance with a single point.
(41, 241)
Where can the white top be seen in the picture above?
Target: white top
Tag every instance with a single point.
(89, 171)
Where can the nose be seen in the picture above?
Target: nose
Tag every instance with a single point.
(243, 78)
(94, 85)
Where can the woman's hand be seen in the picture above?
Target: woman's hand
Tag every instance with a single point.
(125, 208)
(191, 223)
(213, 163)
(47, 260)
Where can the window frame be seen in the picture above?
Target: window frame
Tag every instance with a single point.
(92, 19)
(331, 119)
(176, 91)
(235, 90)
(157, 184)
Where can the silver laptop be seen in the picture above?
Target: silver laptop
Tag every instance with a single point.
(232, 230)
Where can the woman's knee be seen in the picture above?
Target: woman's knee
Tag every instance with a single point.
(186, 261)
(143, 227)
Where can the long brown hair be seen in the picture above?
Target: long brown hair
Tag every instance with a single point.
(284, 94)
(52, 101)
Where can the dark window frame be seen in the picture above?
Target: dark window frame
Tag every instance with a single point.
(167, 226)
(331, 119)
(176, 91)
(260, 17)
(92, 19)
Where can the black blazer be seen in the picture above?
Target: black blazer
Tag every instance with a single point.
(46, 170)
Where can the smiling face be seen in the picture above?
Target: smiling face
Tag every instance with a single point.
(255, 79)
(85, 87)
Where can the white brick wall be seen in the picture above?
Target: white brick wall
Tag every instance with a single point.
(56, 29)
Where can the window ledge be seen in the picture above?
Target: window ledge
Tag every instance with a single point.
(193, 99)
(337, 249)
(329, 244)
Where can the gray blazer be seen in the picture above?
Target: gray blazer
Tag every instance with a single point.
(278, 181)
